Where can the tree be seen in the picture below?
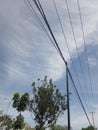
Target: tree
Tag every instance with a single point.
(21, 104)
(6, 121)
(47, 103)
(89, 128)
(19, 122)
(58, 127)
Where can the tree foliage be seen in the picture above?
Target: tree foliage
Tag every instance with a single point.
(6, 121)
(58, 127)
(19, 122)
(89, 128)
(20, 102)
(47, 103)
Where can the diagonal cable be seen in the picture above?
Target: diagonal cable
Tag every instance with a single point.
(28, 3)
(76, 47)
(68, 47)
(79, 98)
(60, 52)
(83, 35)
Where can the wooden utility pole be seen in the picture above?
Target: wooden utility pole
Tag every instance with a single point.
(68, 105)
(93, 119)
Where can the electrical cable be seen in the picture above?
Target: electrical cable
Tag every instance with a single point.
(8, 106)
(79, 98)
(38, 20)
(83, 35)
(68, 47)
(60, 53)
(50, 30)
(76, 47)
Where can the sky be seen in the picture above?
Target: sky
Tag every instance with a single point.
(26, 54)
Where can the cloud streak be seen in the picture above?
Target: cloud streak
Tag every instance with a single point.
(26, 53)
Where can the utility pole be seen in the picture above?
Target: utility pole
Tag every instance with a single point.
(68, 105)
(93, 119)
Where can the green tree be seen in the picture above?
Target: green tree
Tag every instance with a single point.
(47, 103)
(58, 127)
(89, 128)
(19, 122)
(6, 121)
(21, 104)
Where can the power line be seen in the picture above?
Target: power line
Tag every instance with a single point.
(67, 46)
(76, 46)
(8, 106)
(38, 20)
(79, 98)
(83, 34)
(60, 52)
(50, 30)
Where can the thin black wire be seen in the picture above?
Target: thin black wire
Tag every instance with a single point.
(83, 34)
(38, 20)
(79, 98)
(74, 96)
(68, 47)
(76, 47)
(60, 53)
(8, 106)
(38, 6)
(50, 30)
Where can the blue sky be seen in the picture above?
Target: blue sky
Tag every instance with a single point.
(26, 53)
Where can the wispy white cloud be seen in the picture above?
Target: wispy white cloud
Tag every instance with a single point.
(22, 45)
(92, 61)
(27, 53)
